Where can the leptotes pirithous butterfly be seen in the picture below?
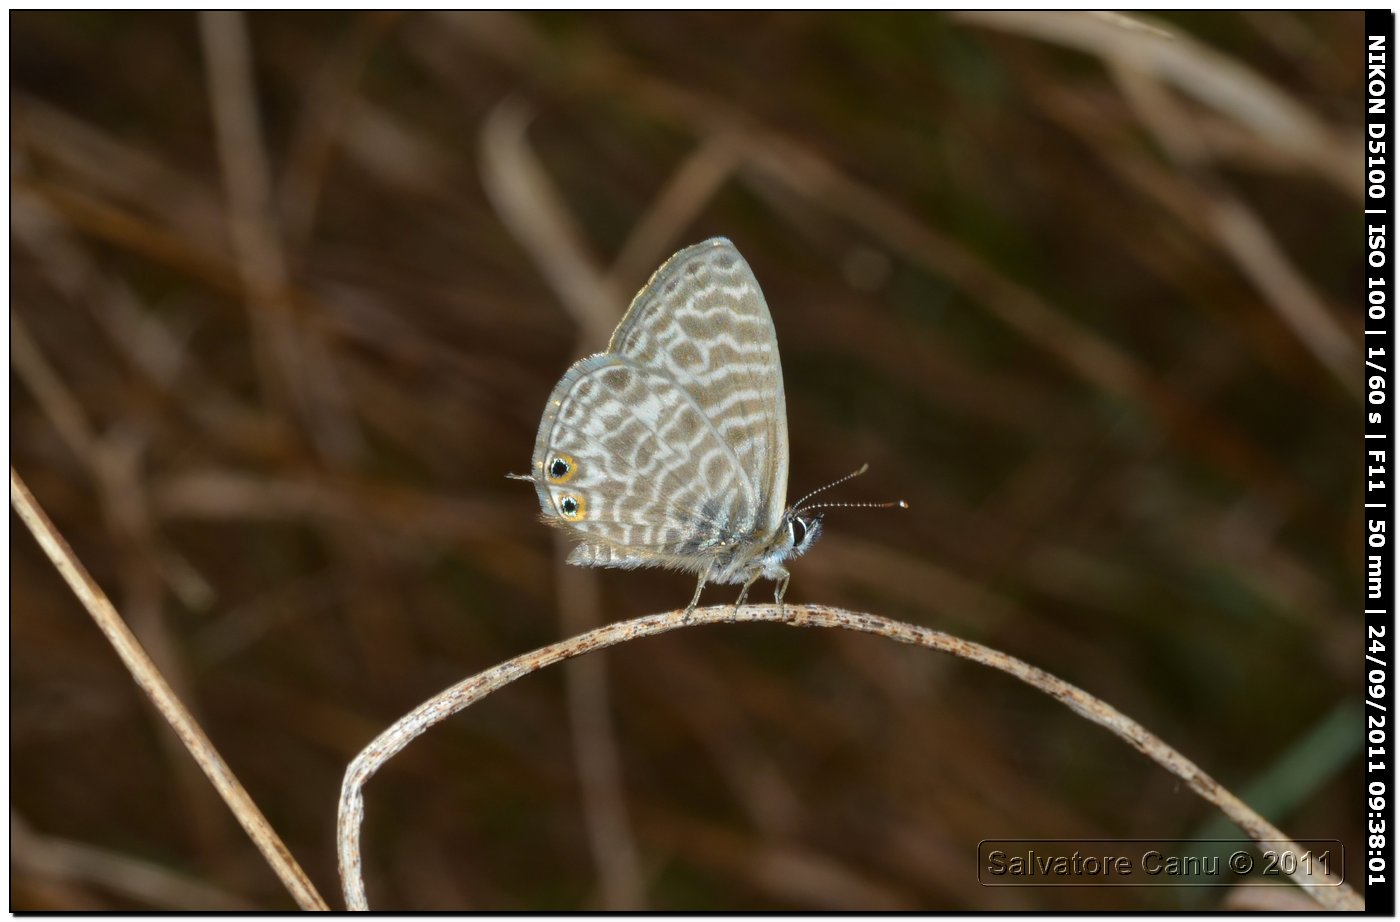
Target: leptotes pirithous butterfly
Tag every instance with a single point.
(670, 449)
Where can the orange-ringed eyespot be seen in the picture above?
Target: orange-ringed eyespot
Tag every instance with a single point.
(559, 469)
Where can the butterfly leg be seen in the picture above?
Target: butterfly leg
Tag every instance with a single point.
(780, 589)
(744, 593)
(695, 599)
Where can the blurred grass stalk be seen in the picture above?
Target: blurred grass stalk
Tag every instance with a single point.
(153, 684)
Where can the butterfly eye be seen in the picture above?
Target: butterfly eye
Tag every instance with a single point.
(571, 507)
(560, 469)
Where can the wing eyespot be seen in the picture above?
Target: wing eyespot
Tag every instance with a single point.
(560, 469)
(572, 507)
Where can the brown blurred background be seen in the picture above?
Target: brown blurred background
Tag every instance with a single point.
(288, 293)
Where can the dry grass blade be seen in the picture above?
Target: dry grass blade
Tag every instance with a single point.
(52, 856)
(1242, 234)
(772, 157)
(469, 691)
(57, 401)
(1214, 79)
(153, 684)
(328, 114)
(656, 234)
(594, 738)
(294, 362)
(248, 182)
(528, 203)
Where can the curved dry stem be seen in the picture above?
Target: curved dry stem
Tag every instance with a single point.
(156, 688)
(469, 691)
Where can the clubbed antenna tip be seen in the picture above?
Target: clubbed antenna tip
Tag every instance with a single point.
(800, 506)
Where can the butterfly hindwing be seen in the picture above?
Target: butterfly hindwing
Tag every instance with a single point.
(627, 460)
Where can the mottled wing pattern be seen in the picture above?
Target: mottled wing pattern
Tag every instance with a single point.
(703, 319)
(648, 476)
(674, 441)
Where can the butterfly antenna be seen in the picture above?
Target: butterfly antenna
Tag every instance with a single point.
(800, 507)
(797, 506)
(892, 504)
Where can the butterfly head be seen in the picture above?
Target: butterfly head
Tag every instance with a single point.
(802, 532)
(793, 536)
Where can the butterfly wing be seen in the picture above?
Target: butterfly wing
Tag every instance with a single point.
(670, 448)
(703, 320)
(628, 461)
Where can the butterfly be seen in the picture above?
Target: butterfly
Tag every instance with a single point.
(670, 448)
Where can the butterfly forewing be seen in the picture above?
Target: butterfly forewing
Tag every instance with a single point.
(673, 442)
(703, 319)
